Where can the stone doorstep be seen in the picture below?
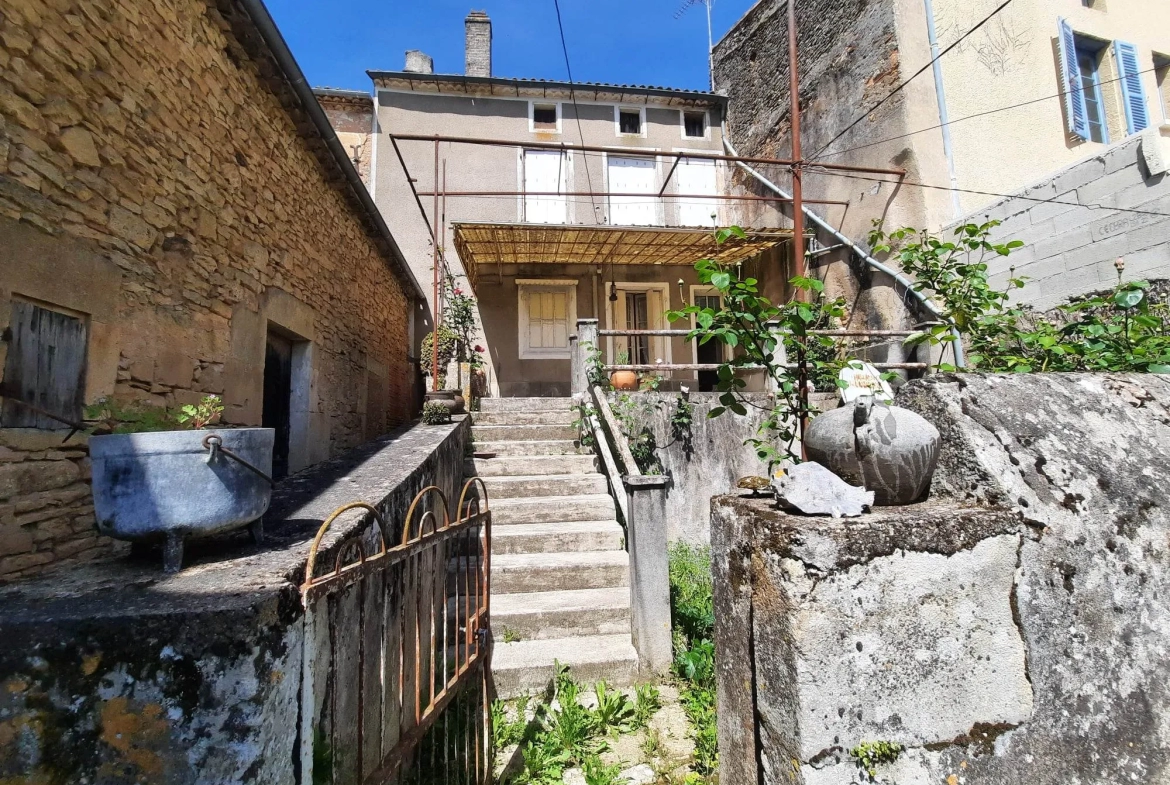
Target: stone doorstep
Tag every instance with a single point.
(527, 666)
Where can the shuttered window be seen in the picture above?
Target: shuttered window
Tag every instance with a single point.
(1133, 97)
(547, 314)
(45, 367)
(1076, 112)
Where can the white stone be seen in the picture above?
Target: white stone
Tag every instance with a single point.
(642, 774)
(811, 489)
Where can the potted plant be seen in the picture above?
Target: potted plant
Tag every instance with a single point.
(623, 380)
(164, 476)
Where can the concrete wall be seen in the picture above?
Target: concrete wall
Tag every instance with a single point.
(117, 674)
(352, 117)
(155, 180)
(1072, 251)
(706, 463)
(1008, 630)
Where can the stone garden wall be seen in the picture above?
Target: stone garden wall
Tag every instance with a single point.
(1011, 629)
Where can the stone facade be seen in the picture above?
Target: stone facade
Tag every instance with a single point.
(161, 181)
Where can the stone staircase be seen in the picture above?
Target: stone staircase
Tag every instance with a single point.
(560, 573)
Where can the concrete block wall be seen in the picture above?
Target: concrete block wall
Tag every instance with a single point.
(157, 180)
(1070, 249)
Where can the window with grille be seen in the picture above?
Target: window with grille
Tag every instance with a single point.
(695, 125)
(630, 121)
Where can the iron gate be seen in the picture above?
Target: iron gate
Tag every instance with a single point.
(395, 672)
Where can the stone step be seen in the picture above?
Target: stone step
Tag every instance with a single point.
(531, 465)
(561, 614)
(516, 573)
(544, 447)
(523, 418)
(527, 666)
(521, 433)
(550, 509)
(561, 537)
(525, 404)
(544, 485)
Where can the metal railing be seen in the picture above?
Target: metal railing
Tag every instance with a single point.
(397, 647)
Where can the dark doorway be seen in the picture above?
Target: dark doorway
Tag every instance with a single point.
(278, 398)
(710, 353)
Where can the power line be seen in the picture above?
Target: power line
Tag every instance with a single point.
(1050, 200)
(969, 117)
(898, 89)
(576, 111)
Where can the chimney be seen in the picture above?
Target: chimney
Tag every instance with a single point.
(479, 44)
(419, 62)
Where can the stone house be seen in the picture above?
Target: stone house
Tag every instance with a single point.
(545, 232)
(1045, 101)
(178, 219)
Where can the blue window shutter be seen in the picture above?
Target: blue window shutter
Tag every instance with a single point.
(1137, 116)
(1074, 92)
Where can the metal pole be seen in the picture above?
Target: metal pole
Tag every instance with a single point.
(798, 268)
(435, 279)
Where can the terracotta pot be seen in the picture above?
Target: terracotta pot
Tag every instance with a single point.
(623, 380)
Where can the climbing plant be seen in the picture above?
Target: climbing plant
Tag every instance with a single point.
(1125, 329)
(741, 324)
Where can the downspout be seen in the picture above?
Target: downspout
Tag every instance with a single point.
(941, 98)
(864, 255)
(374, 149)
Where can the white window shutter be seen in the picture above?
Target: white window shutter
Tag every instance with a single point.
(1137, 116)
(1074, 93)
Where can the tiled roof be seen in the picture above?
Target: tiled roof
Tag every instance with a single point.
(554, 84)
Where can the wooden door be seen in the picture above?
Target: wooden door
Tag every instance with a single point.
(545, 171)
(632, 176)
(697, 177)
(278, 399)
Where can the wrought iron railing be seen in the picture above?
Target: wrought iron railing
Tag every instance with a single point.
(397, 647)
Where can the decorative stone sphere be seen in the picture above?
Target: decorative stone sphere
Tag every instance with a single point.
(890, 450)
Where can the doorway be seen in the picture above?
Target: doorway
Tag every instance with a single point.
(277, 407)
(711, 352)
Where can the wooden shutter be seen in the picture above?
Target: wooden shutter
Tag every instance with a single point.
(45, 367)
(1137, 116)
(1074, 92)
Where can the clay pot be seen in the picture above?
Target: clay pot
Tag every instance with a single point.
(890, 450)
(623, 380)
(447, 399)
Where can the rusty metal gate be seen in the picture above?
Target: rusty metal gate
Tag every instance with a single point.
(395, 671)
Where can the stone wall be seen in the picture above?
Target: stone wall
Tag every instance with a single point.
(1070, 251)
(115, 673)
(1008, 630)
(160, 181)
(703, 463)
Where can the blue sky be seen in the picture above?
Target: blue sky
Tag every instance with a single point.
(626, 41)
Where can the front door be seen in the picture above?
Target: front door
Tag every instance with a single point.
(640, 307)
(278, 399)
(710, 353)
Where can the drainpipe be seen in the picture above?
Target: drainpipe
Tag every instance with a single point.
(864, 255)
(941, 98)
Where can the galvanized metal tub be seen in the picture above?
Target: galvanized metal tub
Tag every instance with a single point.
(170, 485)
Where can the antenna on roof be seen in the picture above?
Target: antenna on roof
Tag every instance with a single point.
(682, 9)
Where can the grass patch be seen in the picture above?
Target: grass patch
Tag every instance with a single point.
(692, 609)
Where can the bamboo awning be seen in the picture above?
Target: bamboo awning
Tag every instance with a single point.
(482, 244)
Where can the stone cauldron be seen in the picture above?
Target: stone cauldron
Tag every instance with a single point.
(890, 450)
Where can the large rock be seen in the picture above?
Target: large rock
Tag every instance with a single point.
(811, 489)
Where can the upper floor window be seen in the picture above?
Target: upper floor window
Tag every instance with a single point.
(544, 117)
(694, 125)
(45, 367)
(1103, 90)
(630, 122)
(1094, 105)
(1162, 77)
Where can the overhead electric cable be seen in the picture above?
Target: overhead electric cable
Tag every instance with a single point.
(576, 111)
(1050, 200)
(913, 76)
(969, 117)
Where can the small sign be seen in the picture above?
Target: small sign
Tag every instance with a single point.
(863, 379)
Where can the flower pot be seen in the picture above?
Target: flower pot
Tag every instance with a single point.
(890, 450)
(168, 486)
(623, 380)
(454, 402)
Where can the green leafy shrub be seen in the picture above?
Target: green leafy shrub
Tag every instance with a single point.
(692, 611)
(448, 344)
(112, 416)
(691, 597)
(435, 413)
